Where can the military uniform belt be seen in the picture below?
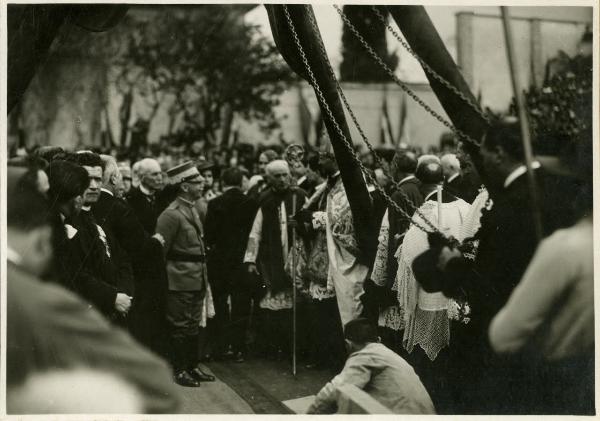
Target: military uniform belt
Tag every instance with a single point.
(179, 256)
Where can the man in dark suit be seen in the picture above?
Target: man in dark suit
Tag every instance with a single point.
(147, 317)
(103, 255)
(228, 223)
(454, 181)
(407, 195)
(507, 241)
(146, 200)
(50, 329)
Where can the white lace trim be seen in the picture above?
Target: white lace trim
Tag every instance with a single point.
(392, 318)
(425, 314)
(280, 301)
(428, 329)
(379, 274)
(319, 292)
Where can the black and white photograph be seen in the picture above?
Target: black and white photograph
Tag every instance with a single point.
(239, 208)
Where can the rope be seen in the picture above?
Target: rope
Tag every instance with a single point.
(345, 141)
(462, 135)
(428, 68)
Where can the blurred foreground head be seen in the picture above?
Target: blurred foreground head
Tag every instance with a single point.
(28, 225)
(75, 391)
(35, 175)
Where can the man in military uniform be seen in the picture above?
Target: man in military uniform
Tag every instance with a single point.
(181, 229)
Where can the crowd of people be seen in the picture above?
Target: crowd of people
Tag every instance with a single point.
(457, 309)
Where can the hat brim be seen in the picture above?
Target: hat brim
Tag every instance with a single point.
(205, 167)
(192, 178)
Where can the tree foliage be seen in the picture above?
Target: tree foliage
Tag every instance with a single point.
(560, 110)
(206, 63)
(357, 65)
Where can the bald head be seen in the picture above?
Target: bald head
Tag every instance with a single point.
(426, 159)
(147, 165)
(277, 165)
(450, 165)
(430, 173)
(278, 174)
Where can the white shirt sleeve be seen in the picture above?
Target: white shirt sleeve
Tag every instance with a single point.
(546, 278)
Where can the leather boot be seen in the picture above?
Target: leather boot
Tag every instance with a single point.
(192, 361)
(181, 362)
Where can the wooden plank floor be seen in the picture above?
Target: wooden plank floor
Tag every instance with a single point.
(257, 386)
(212, 398)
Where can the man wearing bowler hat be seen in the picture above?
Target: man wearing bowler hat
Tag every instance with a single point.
(181, 229)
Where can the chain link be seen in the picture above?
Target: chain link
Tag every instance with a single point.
(319, 93)
(374, 153)
(428, 68)
(462, 135)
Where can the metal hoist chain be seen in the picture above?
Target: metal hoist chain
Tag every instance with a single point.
(462, 135)
(428, 68)
(374, 153)
(346, 142)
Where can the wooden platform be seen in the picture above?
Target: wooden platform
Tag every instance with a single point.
(213, 398)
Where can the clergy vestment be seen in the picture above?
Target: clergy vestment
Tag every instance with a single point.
(270, 242)
(345, 272)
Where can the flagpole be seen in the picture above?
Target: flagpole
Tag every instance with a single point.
(523, 120)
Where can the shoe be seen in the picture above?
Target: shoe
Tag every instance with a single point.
(239, 357)
(183, 378)
(200, 375)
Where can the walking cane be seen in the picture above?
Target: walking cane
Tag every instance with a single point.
(439, 207)
(293, 155)
(294, 288)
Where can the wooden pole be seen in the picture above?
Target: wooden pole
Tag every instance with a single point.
(351, 175)
(523, 120)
